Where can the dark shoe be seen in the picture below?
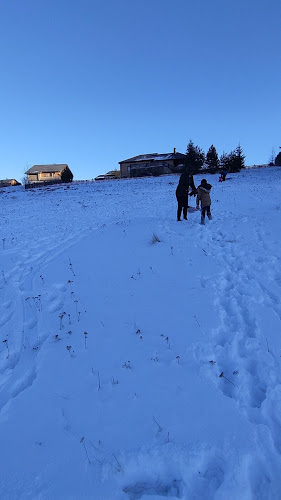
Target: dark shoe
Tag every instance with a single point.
(179, 220)
(210, 217)
(185, 218)
(202, 222)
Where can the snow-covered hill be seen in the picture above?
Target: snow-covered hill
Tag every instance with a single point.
(133, 368)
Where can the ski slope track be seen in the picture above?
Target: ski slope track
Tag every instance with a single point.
(140, 356)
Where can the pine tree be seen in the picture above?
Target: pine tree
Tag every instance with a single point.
(234, 161)
(224, 161)
(272, 158)
(195, 158)
(277, 160)
(238, 159)
(212, 159)
(66, 175)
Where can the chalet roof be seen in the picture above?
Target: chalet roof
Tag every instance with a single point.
(155, 157)
(55, 167)
(7, 180)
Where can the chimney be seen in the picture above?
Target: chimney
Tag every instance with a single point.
(174, 151)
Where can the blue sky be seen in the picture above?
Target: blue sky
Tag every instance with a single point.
(91, 83)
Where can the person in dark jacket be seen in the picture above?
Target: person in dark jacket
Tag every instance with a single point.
(223, 174)
(186, 183)
(203, 197)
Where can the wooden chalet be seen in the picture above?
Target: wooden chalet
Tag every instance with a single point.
(48, 174)
(9, 182)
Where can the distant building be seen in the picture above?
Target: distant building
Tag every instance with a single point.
(112, 174)
(152, 164)
(48, 174)
(9, 182)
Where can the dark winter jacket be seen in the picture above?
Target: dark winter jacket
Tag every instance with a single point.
(185, 182)
(203, 195)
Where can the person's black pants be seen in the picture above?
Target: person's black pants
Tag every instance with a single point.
(182, 206)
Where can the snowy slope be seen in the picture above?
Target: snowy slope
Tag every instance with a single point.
(141, 369)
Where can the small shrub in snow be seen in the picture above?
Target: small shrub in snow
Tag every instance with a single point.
(222, 375)
(159, 426)
(27, 301)
(71, 268)
(98, 374)
(82, 441)
(127, 364)
(37, 301)
(85, 337)
(68, 347)
(155, 239)
(61, 316)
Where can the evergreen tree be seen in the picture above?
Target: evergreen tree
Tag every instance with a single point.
(277, 160)
(224, 161)
(66, 175)
(272, 158)
(234, 161)
(212, 159)
(195, 158)
(238, 159)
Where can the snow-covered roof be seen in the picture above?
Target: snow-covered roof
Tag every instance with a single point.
(155, 157)
(55, 167)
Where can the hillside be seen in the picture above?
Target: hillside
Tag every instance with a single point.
(133, 368)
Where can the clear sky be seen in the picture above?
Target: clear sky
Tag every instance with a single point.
(91, 83)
